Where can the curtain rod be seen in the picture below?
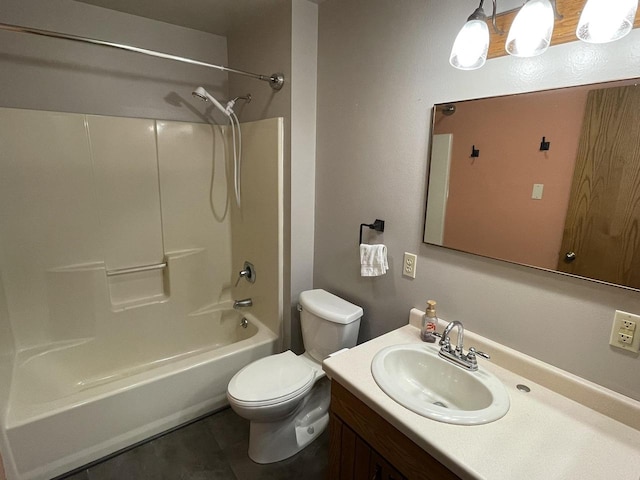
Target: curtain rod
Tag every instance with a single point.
(275, 80)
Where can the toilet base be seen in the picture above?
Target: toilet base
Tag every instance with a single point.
(271, 442)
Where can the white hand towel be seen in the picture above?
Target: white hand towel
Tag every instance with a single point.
(373, 260)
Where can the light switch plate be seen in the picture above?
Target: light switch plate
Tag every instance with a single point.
(624, 331)
(536, 194)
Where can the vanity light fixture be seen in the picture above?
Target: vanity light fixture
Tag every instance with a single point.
(605, 21)
(532, 26)
(472, 42)
(531, 30)
(470, 47)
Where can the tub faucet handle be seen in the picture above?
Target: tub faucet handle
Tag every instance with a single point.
(248, 271)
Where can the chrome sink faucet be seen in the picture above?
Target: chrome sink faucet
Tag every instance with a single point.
(457, 355)
(446, 342)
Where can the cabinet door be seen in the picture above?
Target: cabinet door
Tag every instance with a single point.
(350, 456)
(380, 469)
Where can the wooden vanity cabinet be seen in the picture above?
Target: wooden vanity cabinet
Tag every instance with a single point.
(364, 446)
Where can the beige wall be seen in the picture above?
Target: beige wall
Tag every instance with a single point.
(381, 67)
(256, 227)
(304, 73)
(58, 75)
(7, 350)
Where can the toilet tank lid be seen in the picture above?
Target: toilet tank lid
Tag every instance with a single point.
(330, 307)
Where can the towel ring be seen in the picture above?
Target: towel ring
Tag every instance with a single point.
(378, 226)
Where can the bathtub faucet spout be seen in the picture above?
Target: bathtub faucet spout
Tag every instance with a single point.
(247, 302)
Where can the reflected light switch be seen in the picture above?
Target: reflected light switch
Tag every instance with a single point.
(537, 191)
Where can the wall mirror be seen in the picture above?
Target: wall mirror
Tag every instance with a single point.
(548, 179)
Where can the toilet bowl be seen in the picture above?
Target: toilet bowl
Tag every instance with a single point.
(286, 396)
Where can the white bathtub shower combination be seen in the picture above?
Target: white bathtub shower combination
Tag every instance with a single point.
(77, 404)
(117, 260)
(74, 405)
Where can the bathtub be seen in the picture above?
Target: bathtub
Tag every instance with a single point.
(75, 402)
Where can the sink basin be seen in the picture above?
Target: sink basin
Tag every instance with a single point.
(418, 379)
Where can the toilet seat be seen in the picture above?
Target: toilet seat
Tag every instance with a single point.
(272, 380)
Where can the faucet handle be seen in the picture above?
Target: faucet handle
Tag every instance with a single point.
(445, 343)
(472, 361)
(477, 352)
(473, 352)
(248, 271)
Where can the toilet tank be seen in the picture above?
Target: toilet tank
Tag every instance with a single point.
(329, 323)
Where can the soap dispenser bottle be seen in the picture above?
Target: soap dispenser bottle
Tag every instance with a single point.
(429, 322)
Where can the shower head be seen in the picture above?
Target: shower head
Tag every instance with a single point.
(202, 94)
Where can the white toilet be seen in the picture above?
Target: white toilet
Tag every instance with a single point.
(286, 396)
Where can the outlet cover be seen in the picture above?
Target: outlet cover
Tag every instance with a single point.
(409, 264)
(624, 333)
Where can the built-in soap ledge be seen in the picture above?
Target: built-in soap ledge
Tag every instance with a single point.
(137, 287)
(591, 395)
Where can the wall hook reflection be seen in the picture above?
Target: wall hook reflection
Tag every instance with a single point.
(544, 145)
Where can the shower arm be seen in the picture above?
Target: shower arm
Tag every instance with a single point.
(276, 80)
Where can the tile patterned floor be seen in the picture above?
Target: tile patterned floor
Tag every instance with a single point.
(214, 447)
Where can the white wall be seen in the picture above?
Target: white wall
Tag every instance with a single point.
(59, 75)
(381, 67)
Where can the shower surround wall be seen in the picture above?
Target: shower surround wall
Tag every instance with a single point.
(7, 352)
(83, 197)
(47, 74)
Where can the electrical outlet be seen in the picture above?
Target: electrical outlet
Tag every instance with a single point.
(629, 325)
(623, 331)
(625, 337)
(409, 265)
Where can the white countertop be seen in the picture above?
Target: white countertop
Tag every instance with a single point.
(544, 436)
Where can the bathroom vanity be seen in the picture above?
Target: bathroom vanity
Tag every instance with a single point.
(563, 428)
(363, 445)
